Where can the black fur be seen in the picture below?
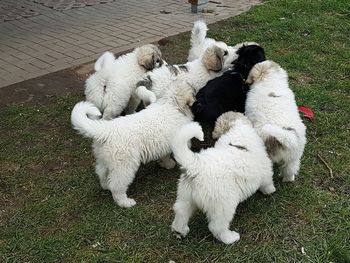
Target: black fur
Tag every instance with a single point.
(183, 68)
(173, 70)
(229, 91)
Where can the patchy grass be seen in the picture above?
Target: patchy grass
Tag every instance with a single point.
(52, 208)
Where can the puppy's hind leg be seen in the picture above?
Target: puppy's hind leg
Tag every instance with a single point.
(184, 209)
(167, 162)
(290, 170)
(267, 187)
(133, 104)
(219, 222)
(120, 179)
(101, 171)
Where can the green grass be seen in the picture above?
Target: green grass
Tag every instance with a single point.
(52, 208)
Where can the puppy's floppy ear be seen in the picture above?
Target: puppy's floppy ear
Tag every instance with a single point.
(148, 56)
(261, 70)
(213, 58)
(226, 121)
(190, 94)
(254, 75)
(104, 61)
(158, 61)
(184, 98)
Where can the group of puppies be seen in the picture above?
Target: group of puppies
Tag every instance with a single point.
(243, 96)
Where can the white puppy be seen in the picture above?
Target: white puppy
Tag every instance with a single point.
(215, 60)
(121, 145)
(272, 109)
(111, 87)
(200, 42)
(217, 179)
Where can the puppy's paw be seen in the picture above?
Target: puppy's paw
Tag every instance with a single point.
(180, 232)
(127, 202)
(267, 190)
(178, 235)
(104, 185)
(288, 178)
(229, 237)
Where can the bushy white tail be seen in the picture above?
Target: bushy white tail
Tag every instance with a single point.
(90, 128)
(286, 137)
(183, 155)
(199, 32)
(145, 95)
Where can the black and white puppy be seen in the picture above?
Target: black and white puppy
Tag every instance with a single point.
(229, 91)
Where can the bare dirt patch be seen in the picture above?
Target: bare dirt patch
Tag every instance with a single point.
(41, 90)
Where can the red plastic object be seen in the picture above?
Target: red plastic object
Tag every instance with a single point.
(308, 113)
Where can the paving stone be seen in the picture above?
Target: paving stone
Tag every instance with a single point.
(52, 40)
(10, 11)
(46, 58)
(61, 5)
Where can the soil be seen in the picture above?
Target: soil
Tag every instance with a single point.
(42, 90)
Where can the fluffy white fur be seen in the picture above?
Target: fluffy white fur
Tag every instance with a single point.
(217, 179)
(111, 87)
(121, 145)
(200, 42)
(215, 60)
(273, 111)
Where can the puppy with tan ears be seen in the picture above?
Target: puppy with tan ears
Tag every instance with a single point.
(272, 109)
(121, 145)
(217, 179)
(112, 86)
(215, 60)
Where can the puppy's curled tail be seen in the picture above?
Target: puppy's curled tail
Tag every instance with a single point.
(286, 136)
(182, 153)
(145, 94)
(199, 32)
(90, 128)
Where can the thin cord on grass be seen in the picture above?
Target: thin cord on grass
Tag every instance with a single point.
(325, 163)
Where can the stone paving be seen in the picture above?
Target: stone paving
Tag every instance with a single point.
(69, 4)
(12, 11)
(54, 40)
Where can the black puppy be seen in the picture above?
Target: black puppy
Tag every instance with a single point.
(229, 91)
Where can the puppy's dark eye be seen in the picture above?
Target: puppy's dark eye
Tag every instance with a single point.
(225, 53)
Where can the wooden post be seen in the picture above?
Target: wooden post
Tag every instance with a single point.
(197, 5)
